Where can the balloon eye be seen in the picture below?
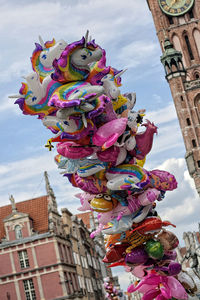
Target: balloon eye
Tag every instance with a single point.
(34, 98)
(44, 56)
(99, 196)
(66, 123)
(84, 57)
(107, 197)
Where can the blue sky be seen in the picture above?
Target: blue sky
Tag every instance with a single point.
(126, 31)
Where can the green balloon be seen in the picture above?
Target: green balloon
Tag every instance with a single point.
(154, 249)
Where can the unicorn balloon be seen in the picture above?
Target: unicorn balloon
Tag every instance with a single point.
(44, 55)
(73, 64)
(42, 99)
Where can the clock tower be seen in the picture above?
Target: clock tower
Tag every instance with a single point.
(177, 24)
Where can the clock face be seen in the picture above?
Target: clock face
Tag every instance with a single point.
(175, 7)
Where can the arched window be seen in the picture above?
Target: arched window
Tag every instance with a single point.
(189, 47)
(177, 46)
(196, 34)
(18, 232)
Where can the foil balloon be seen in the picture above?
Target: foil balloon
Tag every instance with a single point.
(77, 97)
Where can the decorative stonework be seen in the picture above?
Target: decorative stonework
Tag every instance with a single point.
(193, 84)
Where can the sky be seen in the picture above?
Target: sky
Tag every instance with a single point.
(126, 31)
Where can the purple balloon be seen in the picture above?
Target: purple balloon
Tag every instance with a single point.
(137, 256)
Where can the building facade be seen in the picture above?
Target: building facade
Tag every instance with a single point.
(45, 255)
(177, 26)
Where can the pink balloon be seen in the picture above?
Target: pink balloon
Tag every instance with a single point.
(107, 135)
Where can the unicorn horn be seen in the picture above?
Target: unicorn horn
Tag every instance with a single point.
(86, 38)
(41, 41)
(16, 96)
(120, 73)
(84, 120)
(90, 38)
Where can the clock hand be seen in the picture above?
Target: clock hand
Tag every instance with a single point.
(172, 3)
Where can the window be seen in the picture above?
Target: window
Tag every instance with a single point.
(194, 144)
(61, 252)
(81, 282)
(171, 21)
(181, 98)
(18, 232)
(188, 121)
(67, 253)
(191, 15)
(94, 263)
(89, 285)
(197, 76)
(67, 283)
(89, 259)
(84, 262)
(189, 47)
(23, 259)
(29, 289)
(75, 260)
(94, 284)
(198, 163)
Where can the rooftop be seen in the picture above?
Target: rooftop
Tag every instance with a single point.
(36, 208)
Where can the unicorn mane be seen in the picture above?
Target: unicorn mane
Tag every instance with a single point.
(65, 71)
(35, 59)
(41, 109)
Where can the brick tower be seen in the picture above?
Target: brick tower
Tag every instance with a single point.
(177, 24)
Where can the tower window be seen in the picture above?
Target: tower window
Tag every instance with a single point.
(181, 98)
(18, 232)
(171, 21)
(188, 121)
(191, 15)
(198, 163)
(189, 47)
(197, 76)
(194, 144)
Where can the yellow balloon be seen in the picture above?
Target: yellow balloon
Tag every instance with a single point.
(141, 162)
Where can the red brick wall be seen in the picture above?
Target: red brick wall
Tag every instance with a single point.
(5, 264)
(52, 287)
(45, 254)
(8, 288)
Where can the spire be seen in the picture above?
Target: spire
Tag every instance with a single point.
(172, 60)
(12, 200)
(49, 190)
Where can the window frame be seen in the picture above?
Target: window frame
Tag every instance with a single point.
(29, 289)
(23, 259)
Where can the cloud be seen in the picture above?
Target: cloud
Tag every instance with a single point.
(180, 206)
(137, 53)
(163, 115)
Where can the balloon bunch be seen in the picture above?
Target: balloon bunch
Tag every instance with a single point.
(77, 97)
(111, 291)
